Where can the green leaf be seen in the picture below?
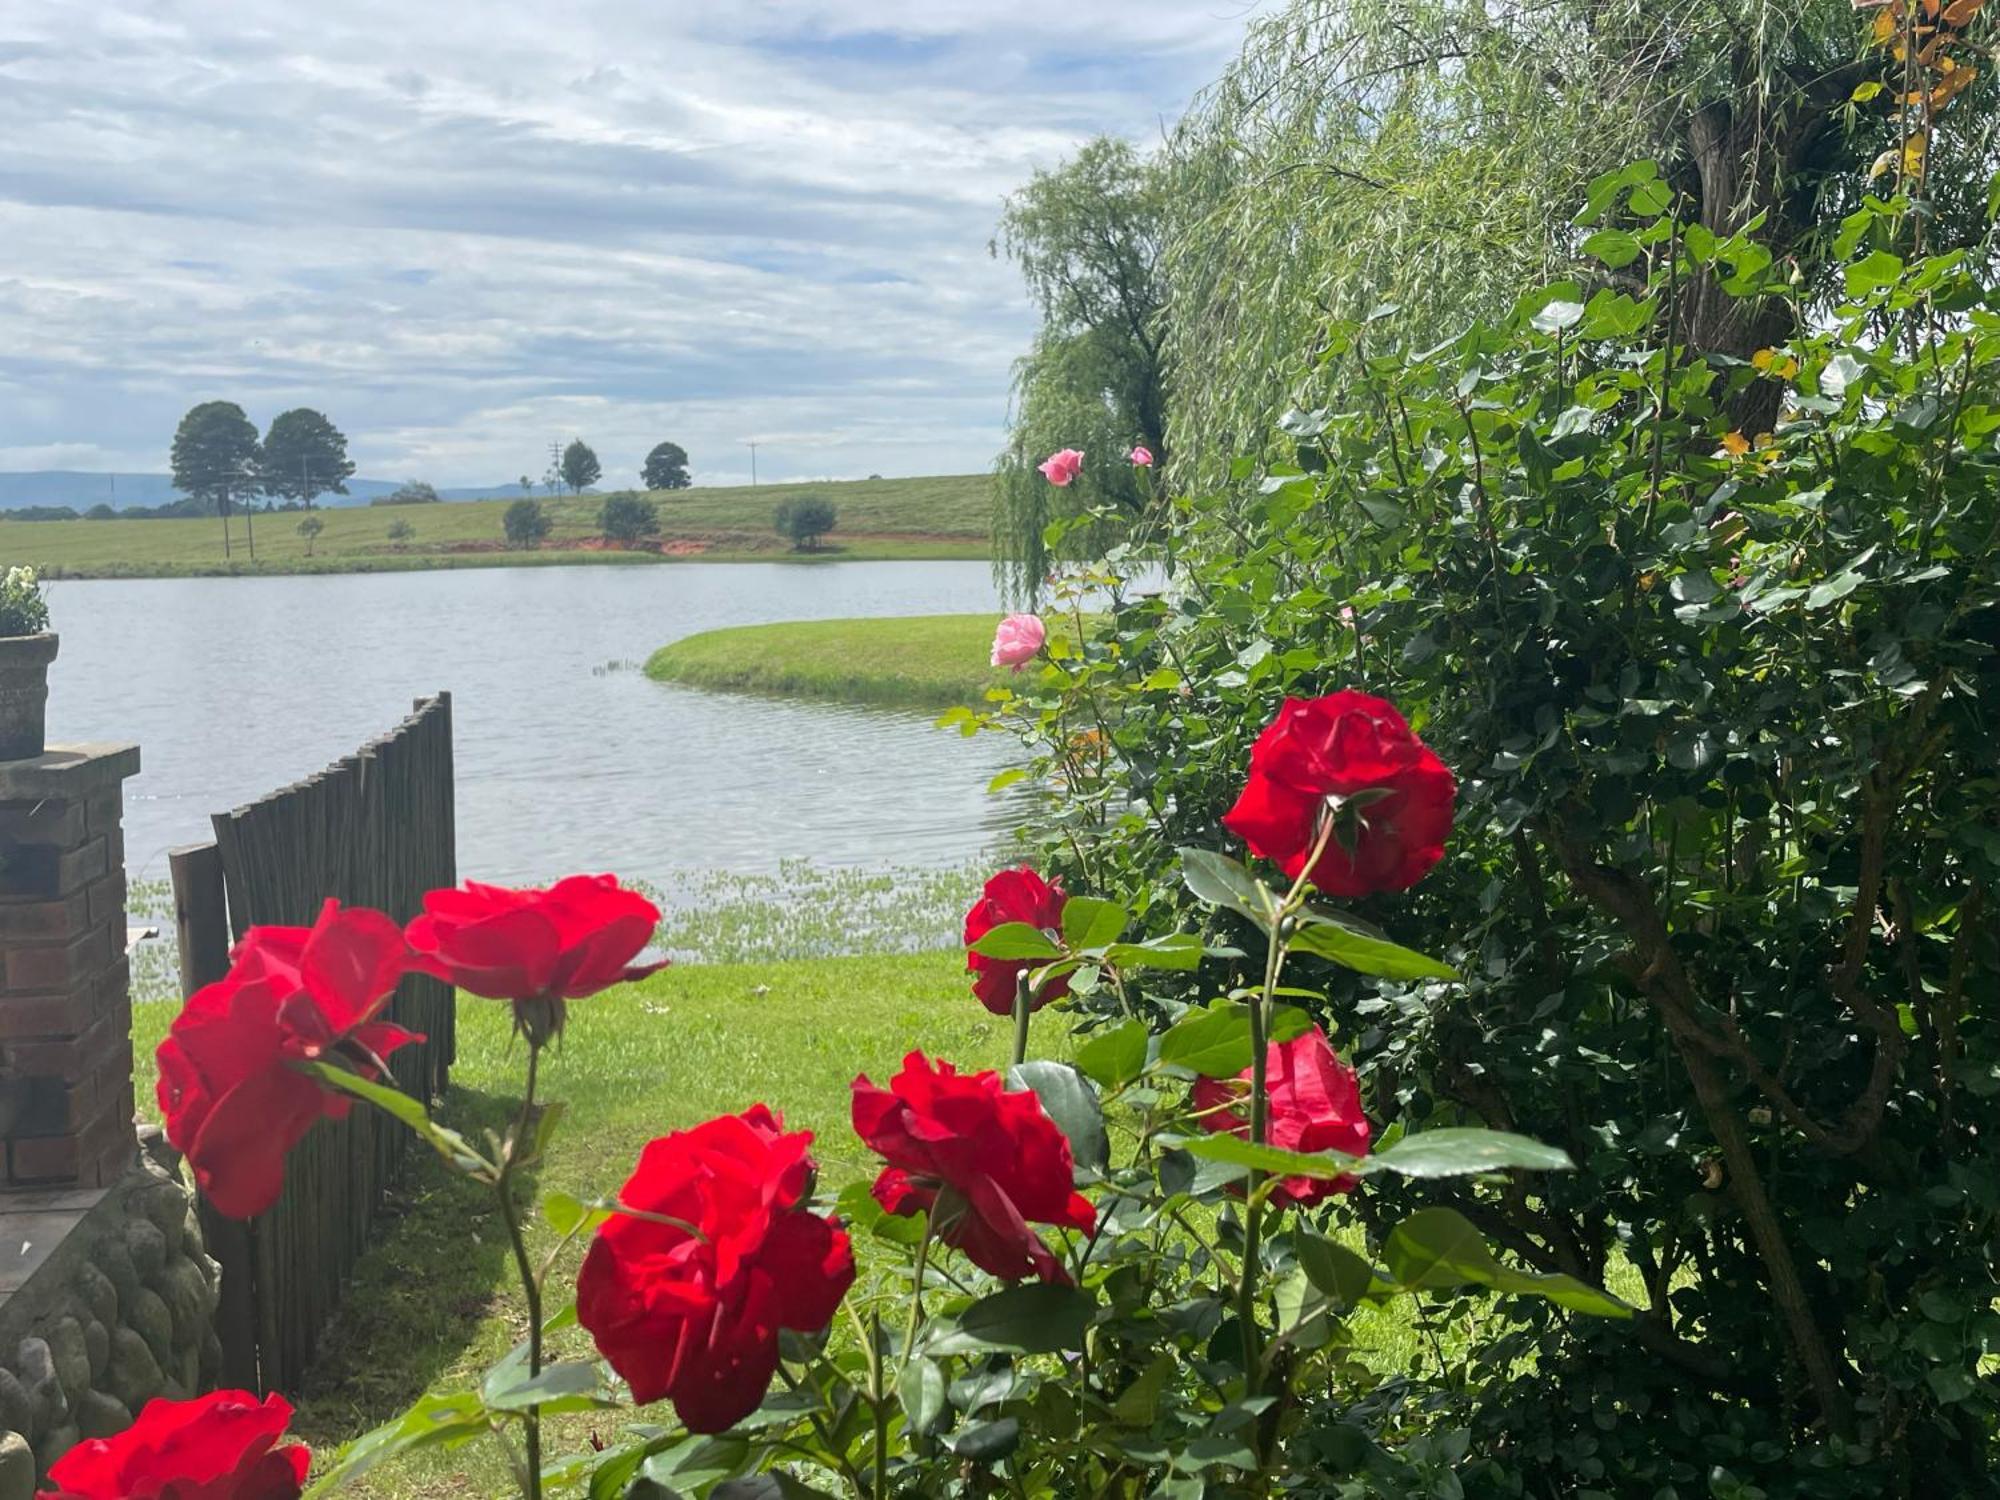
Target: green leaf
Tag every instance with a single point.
(1177, 950)
(1462, 1150)
(1221, 881)
(1090, 923)
(1069, 1100)
(449, 1144)
(987, 1442)
(1615, 247)
(512, 1389)
(1033, 1318)
(1114, 1057)
(1016, 940)
(1337, 1271)
(1353, 944)
(434, 1421)
(1271, 1160)
(1214, 1041)
(921, 1389)
(1007, 778)
(1436, 1249)
(1872, 272)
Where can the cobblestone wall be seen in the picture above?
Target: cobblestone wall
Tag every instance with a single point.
(121, 1311)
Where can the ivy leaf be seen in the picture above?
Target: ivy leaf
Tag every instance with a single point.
(1436, 1249)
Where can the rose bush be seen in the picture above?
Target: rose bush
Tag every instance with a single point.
(1116, 1275)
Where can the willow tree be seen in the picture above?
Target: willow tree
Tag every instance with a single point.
(1425, 162)
(1088, 238)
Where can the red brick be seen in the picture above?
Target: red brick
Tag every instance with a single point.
(51, 1159)
(26, 921)
(50, 821)
(65, 1014)
(106, 900)
(56, 968)
(58, 1057)
(79, 867)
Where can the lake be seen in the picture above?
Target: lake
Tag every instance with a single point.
(568, 757)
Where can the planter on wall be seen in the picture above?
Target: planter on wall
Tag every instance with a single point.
(24, 692)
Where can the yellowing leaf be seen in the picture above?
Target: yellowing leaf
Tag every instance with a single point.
(1961, 11)
(1736, 445)
(1777, 366)
(1886, 22)
(1886, 162)
(1863, 92)
(1954, 83)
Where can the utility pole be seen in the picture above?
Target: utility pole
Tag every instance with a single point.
(753, 464)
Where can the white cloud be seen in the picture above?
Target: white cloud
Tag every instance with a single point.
(463, 229)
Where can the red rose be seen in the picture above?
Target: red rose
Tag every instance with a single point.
(1352, 758)
(234, 1103)
(575, 938)
(1313, 1103)
(696, 1318)
(983, 1161)
(222, 1446)
(1012, 896)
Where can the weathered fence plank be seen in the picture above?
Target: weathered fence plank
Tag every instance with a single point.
(376, 828)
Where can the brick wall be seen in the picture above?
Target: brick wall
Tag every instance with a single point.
(66, 1100)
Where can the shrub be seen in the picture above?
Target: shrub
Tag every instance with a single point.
(803, 521)
(627, 517)
(312, 526)
(1722, 880)
(525, 523)
(401, 532)
(24, 605)
(415, 492)
(40, 513)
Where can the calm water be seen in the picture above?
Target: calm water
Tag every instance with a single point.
(568, 757)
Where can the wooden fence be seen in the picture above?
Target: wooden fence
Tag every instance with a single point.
(375, 829)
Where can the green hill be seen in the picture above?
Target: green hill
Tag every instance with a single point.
(939, 517)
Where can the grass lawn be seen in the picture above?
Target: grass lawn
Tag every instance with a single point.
(931, 661)
(940, 517)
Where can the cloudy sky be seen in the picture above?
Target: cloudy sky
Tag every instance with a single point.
(464, 228)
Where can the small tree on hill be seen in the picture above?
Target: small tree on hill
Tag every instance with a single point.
(400, 532)
(628, 518)
(666, 468)
(214, 460)
(410, 492)
(525, 523)
(310, 528)
(580, 467)
(804, 521)
(304, 456)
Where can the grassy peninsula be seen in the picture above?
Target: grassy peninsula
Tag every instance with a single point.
(917, 661)
(945, 516)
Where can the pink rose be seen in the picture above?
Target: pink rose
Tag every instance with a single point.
(1142, 457)
(1017, 641)
(1060, 468)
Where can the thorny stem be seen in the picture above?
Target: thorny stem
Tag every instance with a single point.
(531, 1287)
(878, 1400)
(1260, 1025)
(1022, 998)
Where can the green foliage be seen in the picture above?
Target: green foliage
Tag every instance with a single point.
(401, 532)
(1721, 882)
(24, 605)
(1088, 239)
(803, 520)
(303, 456)
(1411, 167)
(310, 528)
(627, 517)
(666, 468)
(580, 468)
(525, 523)
(214, 459)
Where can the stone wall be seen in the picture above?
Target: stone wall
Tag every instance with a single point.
(112, 1305)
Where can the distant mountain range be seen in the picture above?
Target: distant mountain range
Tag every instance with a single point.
(75, 488)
